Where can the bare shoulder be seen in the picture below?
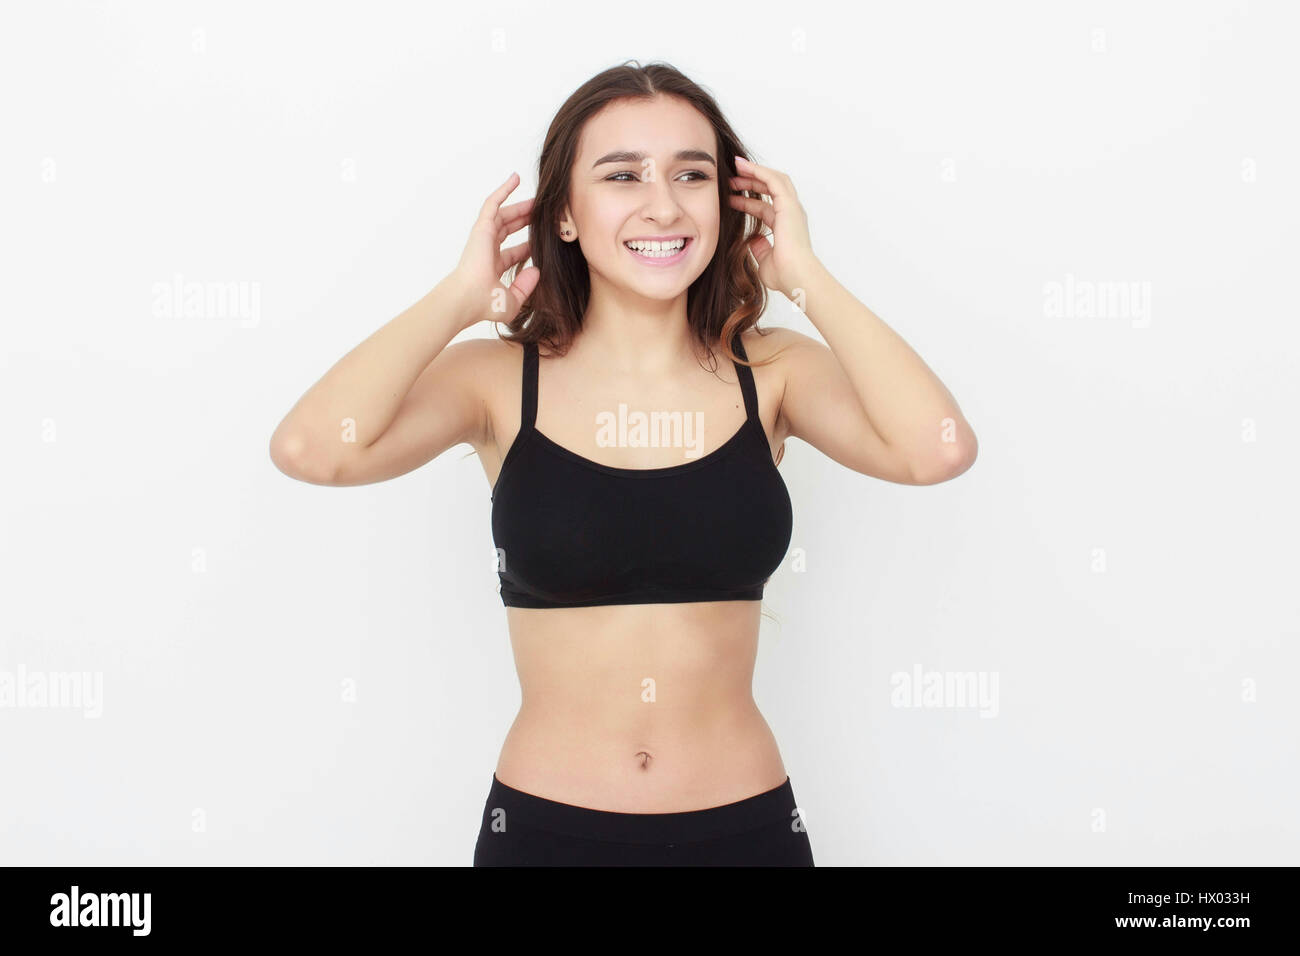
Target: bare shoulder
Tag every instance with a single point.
(495, 365)
(778, 343)
(781, 351)
(487, 355)
(454, 393)
(774, 350)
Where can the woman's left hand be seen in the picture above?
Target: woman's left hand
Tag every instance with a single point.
(784, 262)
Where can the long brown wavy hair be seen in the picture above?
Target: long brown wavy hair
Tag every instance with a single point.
(723, 302)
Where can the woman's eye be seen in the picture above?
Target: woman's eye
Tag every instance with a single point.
(693, 172)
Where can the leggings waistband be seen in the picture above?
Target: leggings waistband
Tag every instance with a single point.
(769, 807)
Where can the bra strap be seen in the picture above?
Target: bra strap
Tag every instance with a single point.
(746, 376)
(528, 407)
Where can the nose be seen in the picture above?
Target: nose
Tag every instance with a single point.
(661, 205)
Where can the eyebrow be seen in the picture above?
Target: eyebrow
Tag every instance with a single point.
(636, 156)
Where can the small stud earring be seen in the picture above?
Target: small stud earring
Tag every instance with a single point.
(565, 232)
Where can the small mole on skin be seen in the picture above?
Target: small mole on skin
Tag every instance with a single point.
(645, 759)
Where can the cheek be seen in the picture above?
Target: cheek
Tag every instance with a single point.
(609, 221)
(705, 214)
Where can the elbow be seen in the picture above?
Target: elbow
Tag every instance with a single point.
(955, 460)
(291, 453)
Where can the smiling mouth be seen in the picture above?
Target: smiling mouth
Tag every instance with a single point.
(658, 250)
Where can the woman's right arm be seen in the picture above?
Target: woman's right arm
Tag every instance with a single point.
(404, 396)
(396, 401)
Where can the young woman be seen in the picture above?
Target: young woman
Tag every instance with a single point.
(632, 569)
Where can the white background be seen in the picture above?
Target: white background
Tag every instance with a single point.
(1121, 556)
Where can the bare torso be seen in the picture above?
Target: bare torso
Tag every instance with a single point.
(644, 708)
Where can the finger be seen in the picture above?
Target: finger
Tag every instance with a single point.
(511, 256)
(747, 183)
(759, 248)
(512, 225)
(749, 169)
(778, 184)
(524, 285)
(750, 204)
(516, 209)
(494, 201)
(763, 211)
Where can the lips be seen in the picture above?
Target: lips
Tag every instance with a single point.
(660, 258)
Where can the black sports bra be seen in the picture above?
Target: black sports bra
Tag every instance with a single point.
(571, 532)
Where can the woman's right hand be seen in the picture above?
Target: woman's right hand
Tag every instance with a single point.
(484, 262)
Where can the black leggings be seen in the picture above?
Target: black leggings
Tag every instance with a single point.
(520, 829)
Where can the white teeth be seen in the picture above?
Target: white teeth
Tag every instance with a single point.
(656, 250)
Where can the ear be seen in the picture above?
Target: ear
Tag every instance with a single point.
(566, 222)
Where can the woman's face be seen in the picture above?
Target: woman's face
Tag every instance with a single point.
(646, 169)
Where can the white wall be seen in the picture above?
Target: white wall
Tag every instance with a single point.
(1121, 557)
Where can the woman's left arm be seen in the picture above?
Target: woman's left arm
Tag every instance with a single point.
(910, 426)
